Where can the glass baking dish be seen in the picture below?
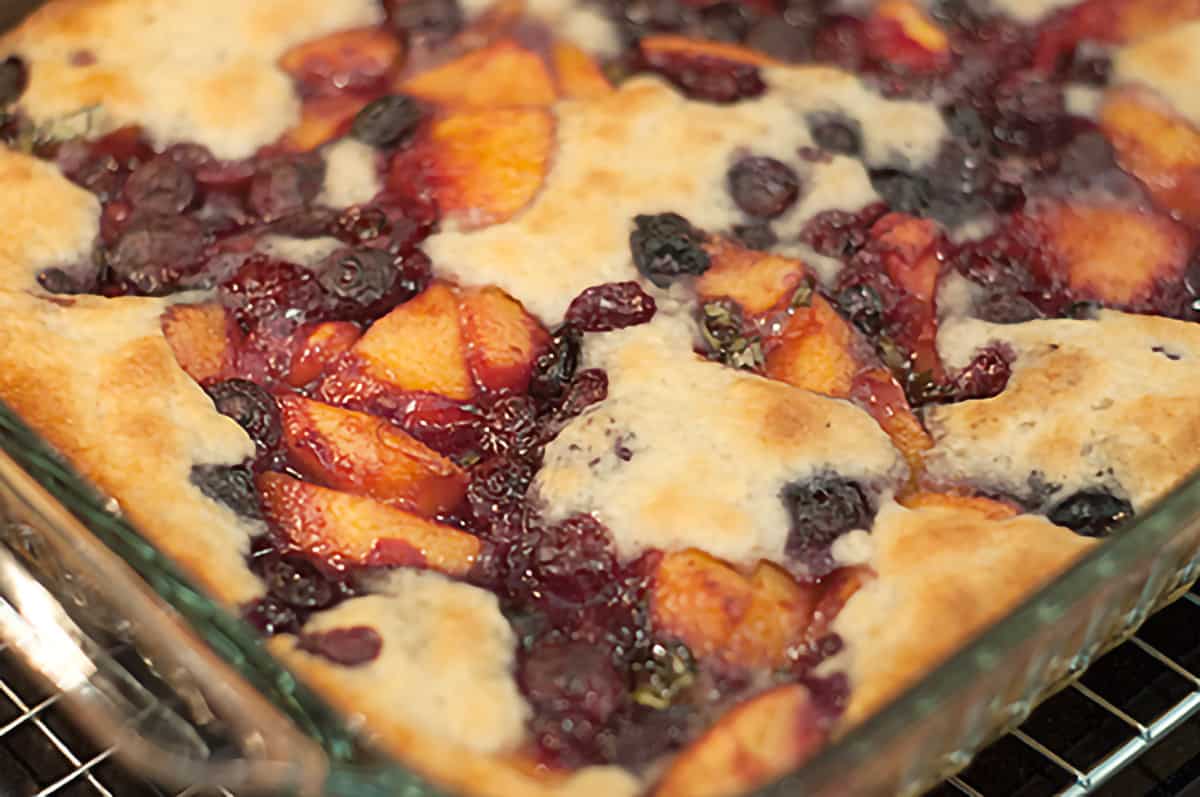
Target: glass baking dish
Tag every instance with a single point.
(71, 563)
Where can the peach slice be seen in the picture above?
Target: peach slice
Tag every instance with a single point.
(204, 338)
(779, 614)
(908, 249)
(322, 119)
(877, 391)
(416, 347)
(317, 348)
(1112, 254)
(662, 48)
(363, 59)
(502, 74)
(719, 613)
(363, 454)
(899, 32)
(579, 77)
(1157, 146)
(503, 340)
(757, 741)
(327, 523)
(817, 350)
(488, 164)
(699, 599)
(907, 246)
(757, 281)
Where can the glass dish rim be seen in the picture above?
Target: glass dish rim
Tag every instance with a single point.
(1145, 534)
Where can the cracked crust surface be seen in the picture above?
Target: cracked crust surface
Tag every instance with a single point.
(1112, 402)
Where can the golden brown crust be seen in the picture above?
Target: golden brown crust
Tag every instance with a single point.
(471, 714)
(195, 70)
(1111, 403)
(96, 378)
(943, 575)
(48, 221)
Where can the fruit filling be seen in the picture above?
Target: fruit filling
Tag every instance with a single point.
(402, 418)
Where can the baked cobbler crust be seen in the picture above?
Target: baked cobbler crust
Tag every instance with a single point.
(876, 492)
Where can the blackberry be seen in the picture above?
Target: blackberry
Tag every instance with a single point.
(1092, 513)
(666, 246)
(821, 510)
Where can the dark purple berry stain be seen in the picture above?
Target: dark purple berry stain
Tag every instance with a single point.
(666, 246)
(614, 305)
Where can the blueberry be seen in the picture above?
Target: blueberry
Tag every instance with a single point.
(154, 252)
(666, 246)
(361, 277)
(160, 186)
(387, 121)
(1092, 513)
(836, 133)
(821, 510)
(229, 485)
(14, 77)
(763, 187)
(252, 408)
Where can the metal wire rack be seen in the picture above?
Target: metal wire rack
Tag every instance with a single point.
(1129, 726)
(43, 754)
